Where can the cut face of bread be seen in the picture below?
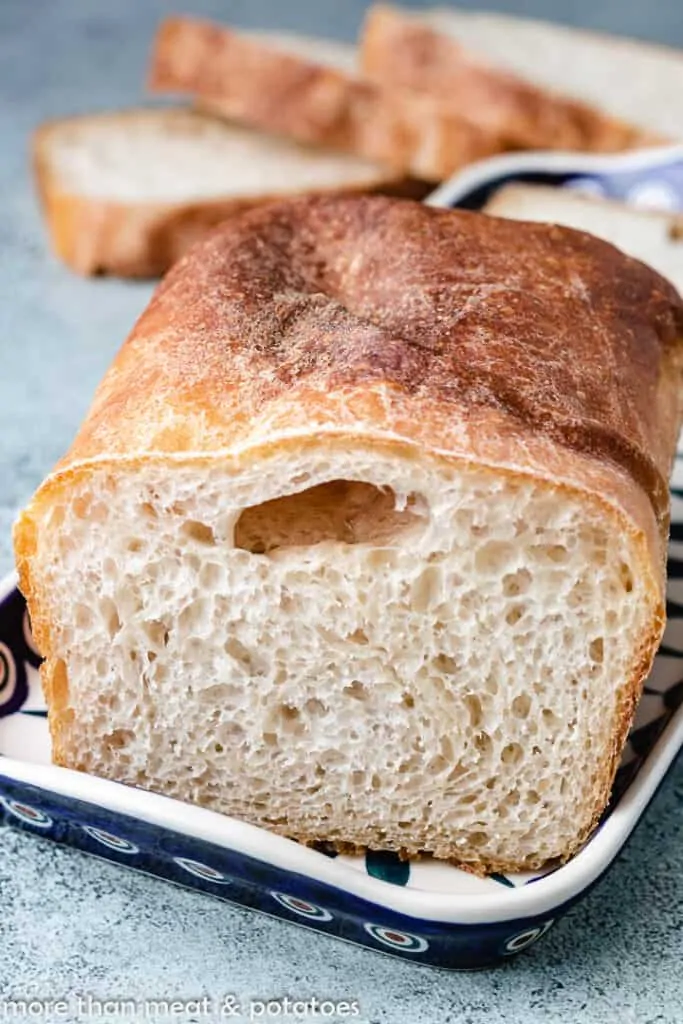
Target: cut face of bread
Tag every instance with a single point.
(652, 236)
(157, 156)
(363, 551)
(128, 192)
(382, 654)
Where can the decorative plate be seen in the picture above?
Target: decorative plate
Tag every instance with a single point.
(426, 911)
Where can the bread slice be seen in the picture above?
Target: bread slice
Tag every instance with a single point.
(608, 77)
(363, 538)
(304, 89)
(127, 192)
(652, 236)
(426, 54)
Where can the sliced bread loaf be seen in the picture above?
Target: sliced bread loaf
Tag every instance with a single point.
(425, 53)
(127, 192)
(363, 539)
(304, 89)
(652, 236)
(631, 81)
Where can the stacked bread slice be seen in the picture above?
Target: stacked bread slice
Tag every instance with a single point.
(612, 77)
(280, 115)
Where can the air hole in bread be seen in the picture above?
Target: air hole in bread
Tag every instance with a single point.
(156, 632)
(513, 753)
(483, 743)
(426, 589)
(516, 582)
(345, 511)
(550, 719)
(200, 532)
(493, 557)
(626, 577)
(446, 664)
(315, 707)
(239, 652)
(515, 614)
(446, 748)
(110, 616)
(119, 738)
(437, 765)
(543, 553)
(596, 650)
(521, 706)
(356, 690)
(473, 705)
(478, 838)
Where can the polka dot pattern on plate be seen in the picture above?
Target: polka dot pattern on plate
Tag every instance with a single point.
(203, 871)
(8, 675)
(27, 814)
(302, 907)
(524, 939)
(111, 841)
(397, 940)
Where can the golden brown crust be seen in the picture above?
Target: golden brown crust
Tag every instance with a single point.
(549, 328)
(252, 82)
(95, 235)
(400, 51)
(536, 350)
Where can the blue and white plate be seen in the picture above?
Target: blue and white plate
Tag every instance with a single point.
(425, 911)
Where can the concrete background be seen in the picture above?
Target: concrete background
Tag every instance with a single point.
(71, 924)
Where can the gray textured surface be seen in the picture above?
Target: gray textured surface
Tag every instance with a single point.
(70, 924)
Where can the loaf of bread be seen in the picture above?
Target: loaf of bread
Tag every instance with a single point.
(307, 89)
(128, 192)
(528, 82)
(363, 538)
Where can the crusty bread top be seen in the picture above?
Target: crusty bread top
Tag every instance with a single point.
(404, 51)
(452, 330)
